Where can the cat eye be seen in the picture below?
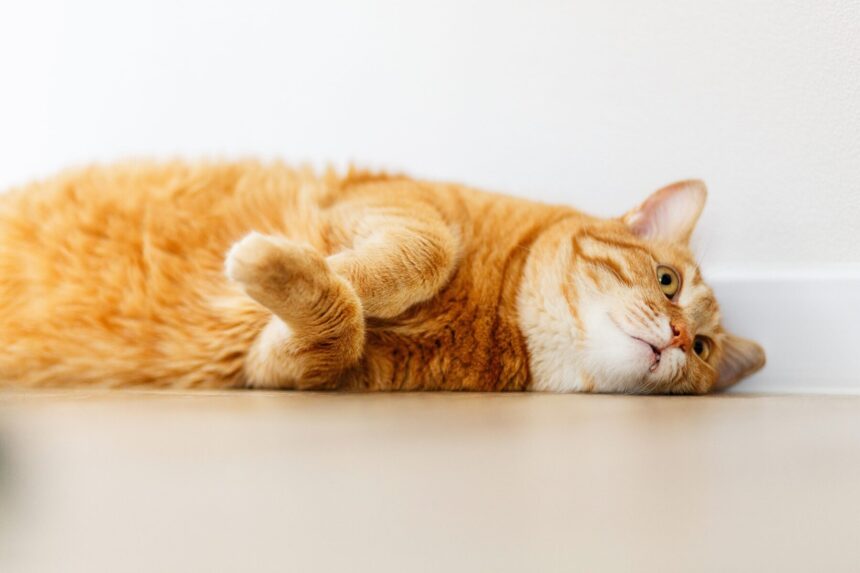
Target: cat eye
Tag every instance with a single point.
(670, 282)
(702, 347)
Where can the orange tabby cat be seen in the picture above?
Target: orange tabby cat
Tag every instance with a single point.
(261, 276)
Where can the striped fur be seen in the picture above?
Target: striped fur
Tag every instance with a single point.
(259, 275)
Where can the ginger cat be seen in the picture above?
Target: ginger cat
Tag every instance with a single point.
(249, 275)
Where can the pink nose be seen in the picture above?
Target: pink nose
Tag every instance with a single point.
(682, 336)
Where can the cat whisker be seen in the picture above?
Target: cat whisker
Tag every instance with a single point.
(636, 319)
(652, 309)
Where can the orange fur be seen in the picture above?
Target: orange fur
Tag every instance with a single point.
(115, 276)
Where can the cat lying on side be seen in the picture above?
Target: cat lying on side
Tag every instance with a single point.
(249, 275)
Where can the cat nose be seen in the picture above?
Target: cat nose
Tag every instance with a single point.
(681, 336)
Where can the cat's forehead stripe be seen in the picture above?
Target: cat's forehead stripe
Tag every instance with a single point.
(698, 301)
(618, 243)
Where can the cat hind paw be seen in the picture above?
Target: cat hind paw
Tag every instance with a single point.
(266, 262)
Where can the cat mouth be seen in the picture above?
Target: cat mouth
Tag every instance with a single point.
(655, 353)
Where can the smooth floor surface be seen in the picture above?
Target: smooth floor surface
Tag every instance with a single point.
(258, 482)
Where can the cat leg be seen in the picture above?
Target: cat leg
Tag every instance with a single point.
(395, 260)
(317, 327)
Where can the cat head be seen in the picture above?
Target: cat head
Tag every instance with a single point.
(619, 305)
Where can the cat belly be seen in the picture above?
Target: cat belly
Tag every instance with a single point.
(106, 293)
(111, 337)
(114, 275)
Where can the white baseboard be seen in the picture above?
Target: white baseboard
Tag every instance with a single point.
(807, 321)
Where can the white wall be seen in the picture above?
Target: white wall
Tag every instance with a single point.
(593, 102)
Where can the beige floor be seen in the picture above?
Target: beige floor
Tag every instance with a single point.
(288, 482)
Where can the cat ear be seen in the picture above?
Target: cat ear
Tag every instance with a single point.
(669, 214)
(741, 357)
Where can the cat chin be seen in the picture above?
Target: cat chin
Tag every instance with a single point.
(562, 359)
(617, 361)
